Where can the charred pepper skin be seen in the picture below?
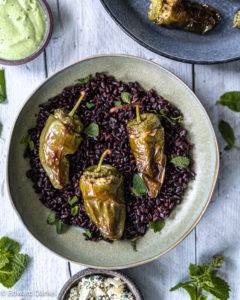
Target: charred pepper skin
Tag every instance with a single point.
(61, 136)
(146, 138)
(184, 14)
(103, 197)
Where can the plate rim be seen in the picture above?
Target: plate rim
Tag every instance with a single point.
(159, 52)
(215, 177)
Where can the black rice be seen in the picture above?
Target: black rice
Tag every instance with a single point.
(103, 91)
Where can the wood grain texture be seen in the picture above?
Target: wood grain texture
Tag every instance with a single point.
(40, 278)
(83, 28)
(219, 228)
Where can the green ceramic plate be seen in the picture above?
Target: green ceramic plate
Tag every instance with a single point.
(72, 245)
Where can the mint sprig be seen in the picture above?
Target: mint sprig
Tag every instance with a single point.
(204, 278)
(12, 263)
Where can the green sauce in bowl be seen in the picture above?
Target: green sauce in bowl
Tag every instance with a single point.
(22, 28)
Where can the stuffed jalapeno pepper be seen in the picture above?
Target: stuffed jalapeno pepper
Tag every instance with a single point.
(146, 138)
(103, 195)
(184, 14)
(60, 137)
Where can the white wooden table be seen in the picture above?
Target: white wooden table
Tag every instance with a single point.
(83, 28)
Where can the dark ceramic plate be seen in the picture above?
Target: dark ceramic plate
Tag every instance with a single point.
(220, 45)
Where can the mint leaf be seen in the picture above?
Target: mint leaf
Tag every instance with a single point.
(3, 260)
(134, 244)
(87, 233)
(59, 227)
(84, 80)
(180, 161)
(12, 263)
(9, 245)
(12, 272)
(220, 288)
(27, 141)
(3, 93)
(51, 219)
(139, 187)
(92, 130)
(231, 100)
(195, 270)
(227, 134)
(189, 288)
(126, 97)
(31, 145)
(117, 103)
(90, 105)
(157, 225)
(171, 120)
(74, 210)
(72, 200)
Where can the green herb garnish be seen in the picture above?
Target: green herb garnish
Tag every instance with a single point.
(231, 100)
(171, 120)
(72, 200)
(92, 130)
(51, 219)
(12, 263)
(85, 79)
(90, 105)
(134, 244)
(59, 227)
(126, 97)
(157, 226)
(228, 134)
(117, 103)
(27, 141)
(180, 161)
(87, 233)
(74, 210)
(139, 187)
(204, 278)
(3, 93)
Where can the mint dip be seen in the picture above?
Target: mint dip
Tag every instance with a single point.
(22, 28)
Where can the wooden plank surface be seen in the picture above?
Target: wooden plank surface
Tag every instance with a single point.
(219, 229)
(83, 28)
(40, 276)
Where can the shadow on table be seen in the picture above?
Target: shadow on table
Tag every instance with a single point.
(147, 279)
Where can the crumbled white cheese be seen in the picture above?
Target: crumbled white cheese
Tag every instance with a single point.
(97, 287)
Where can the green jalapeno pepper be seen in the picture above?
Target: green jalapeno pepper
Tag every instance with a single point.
(103, 196)
(59, 138)
(184, 14)
(146, 138)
